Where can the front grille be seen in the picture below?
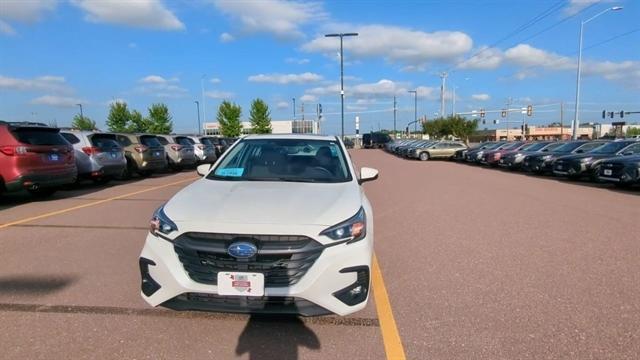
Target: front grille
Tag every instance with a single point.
(283, 259)
(616, 170)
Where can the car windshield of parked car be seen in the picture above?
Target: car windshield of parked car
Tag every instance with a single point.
(610, 148)
(150, 141)
(296, 160)
(533, 147)
(568, 147)
(34, 136)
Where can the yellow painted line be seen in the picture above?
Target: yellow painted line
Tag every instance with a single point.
(390, 336)
(58, 212)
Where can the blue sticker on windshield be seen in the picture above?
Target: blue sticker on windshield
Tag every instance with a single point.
(230, 172)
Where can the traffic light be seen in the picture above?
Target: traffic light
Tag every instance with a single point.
(484, 121)
(503, 113)
(604, 114)
(621, 114)
(496, 121)
(529, 110)
(482, 113)
(611, 114)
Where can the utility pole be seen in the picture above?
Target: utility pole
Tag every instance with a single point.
(198, 107)
(294, 108)
(508, 111)
(443, 76)
(341, 35)
(81, 114)
(302, 110)
(453, 107)
(561, 120)
(415, 109)
(204, 107)
(394, 117)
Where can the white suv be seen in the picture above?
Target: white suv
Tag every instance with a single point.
(280, 224)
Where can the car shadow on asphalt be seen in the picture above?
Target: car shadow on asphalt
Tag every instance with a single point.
(82, 188)
(270, 337)
(34, 285)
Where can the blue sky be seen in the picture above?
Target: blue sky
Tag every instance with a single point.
(55, 54)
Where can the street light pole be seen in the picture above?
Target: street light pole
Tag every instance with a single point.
(341, 35)
(415, 109)
(81, 114)
(294, 108)
(576, 118)
(198, 106)
(204, 104)
(443, 76)
(394, 118)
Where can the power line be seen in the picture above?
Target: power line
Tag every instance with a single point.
(556, 6)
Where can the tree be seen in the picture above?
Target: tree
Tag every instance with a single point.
(229, 119)
(83, 123)
(138, 123)
(119, 116)
(260, 117)
(633, 131)
(455, 125)
(159, 119)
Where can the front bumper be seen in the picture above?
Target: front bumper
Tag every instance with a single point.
(573, 169)
(316, 292)
(620, 174)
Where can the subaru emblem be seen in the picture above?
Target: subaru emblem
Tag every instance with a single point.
(242, 250)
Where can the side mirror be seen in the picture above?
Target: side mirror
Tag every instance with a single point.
(367, 174)
(579, 151)
(203, 169)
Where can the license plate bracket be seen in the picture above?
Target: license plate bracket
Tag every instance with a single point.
(240, 284)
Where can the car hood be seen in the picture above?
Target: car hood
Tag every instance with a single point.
(586, 155)
(627, 160)
(265, 202)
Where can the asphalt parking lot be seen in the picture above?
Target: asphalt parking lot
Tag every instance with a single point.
(477, 264)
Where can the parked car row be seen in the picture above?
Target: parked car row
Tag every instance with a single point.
(40, 159)
(424, 149)
(615, 161)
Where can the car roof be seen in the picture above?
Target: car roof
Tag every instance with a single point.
(292, 136)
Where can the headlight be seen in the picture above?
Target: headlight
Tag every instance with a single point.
(160, 223)
(547, 157)
(585, 160)
(518, 155)
(353, 229)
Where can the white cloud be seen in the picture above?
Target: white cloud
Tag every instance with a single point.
(481, 97)
(296, 61)
(527, 55)
(153, 79)
(308, 98)
(396, 44)
(42, 83)
(6, 29)
(226, 37)
(625, 72)
(283, 79)
(116, 101)
(366, 93)
(282, 105)
(414, 68)
(215, 81)
(486, 59)
(575, 6)
(149, 14)
(220, 95)
(57, 101)
(159, 86)
(278, 17)
(26, 10)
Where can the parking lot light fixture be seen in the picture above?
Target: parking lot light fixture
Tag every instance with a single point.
(341, 36)
(415, 109)
(576, 117)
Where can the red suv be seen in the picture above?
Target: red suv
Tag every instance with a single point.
(34, 157)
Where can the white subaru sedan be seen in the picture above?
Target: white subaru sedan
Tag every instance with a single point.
(279, 224)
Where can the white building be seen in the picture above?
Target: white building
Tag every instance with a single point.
(277, 127)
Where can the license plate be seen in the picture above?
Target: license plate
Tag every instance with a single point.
(608, 172)
(240, 284)
(157, 153)
(114, 155)
(501, 161)
(54, 157)
(559, 167)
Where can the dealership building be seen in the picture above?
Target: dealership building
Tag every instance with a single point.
(277, 127)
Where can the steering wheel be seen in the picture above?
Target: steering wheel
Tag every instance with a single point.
(323, 170)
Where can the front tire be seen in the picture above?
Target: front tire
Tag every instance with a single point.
(424, 156)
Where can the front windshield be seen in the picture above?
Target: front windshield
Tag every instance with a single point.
(533, 147)
(493, 146)
(295, 160)
(511, 146)
(568, 147)
(610, 148)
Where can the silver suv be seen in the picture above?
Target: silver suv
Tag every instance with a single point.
(179, 151)
(99, 157)
(205, 152)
